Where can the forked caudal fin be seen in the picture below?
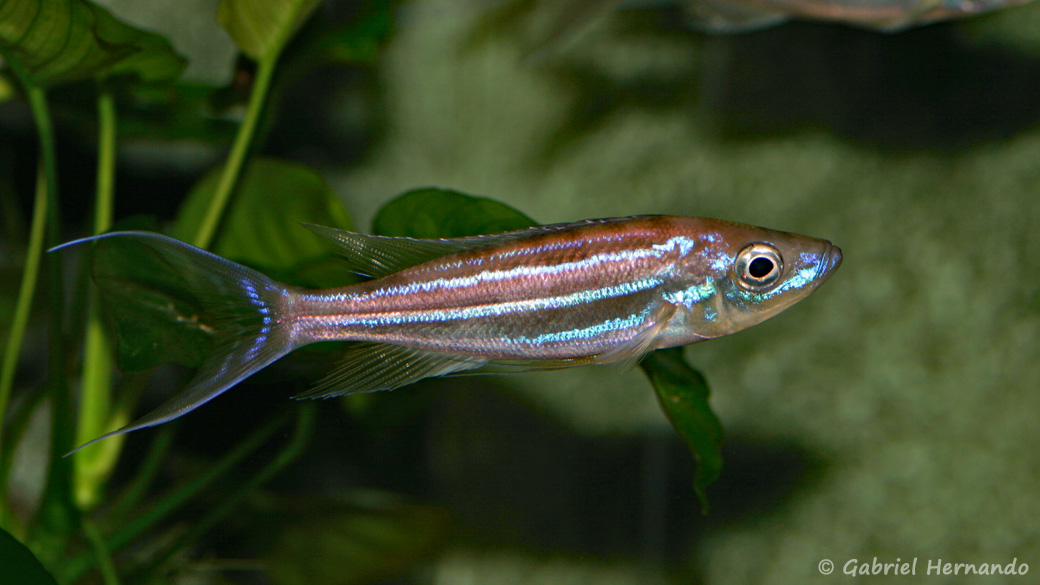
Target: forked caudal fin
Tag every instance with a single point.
(245, 309)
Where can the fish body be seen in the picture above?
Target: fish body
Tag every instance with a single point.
(596, 291)
(723, 16)
(570, 17)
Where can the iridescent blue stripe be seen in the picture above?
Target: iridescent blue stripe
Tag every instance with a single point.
(490, 309)
(629, 323)
(253, 296)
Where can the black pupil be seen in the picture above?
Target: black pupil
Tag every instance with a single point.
(760, 267)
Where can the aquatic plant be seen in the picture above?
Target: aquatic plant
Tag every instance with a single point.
(82, 523)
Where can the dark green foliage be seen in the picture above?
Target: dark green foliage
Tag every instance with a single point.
(261, 28)
(683, 394)
(443, 213)
(59, 41)
(356, 42)
(262, 227)
(19, 565)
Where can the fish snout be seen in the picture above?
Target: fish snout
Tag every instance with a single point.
(829, 263)
(835, 258)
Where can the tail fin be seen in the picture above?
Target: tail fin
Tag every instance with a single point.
(245, 306)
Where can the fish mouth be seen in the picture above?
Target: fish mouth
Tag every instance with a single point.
(830, 262)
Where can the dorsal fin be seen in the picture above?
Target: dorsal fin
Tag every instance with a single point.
(378, 256)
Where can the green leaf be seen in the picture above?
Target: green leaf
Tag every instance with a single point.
(262, 226)
(19, 565)
(343, 544)
(60, 41)
(443, 213)
(683, 394)
(153, 59)
(55, 41)
(261, 28)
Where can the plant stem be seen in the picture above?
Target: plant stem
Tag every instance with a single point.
(44, 228)
(106, 175)
(14, 430)
(292, 450)
(57, 516)
(61, 404)
(93, 464)
(168, 504)
(144, 475)
(23, 307)
(236, 158)
(104, 560)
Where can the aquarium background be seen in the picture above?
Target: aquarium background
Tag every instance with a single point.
(891, 415)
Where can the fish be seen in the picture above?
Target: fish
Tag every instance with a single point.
(887, 16)
(601, 291)
(566, 19)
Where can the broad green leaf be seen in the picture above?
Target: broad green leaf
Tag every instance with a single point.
(262, 226)
(56, 41)
(59, 41)
(342, 544)
(153, 60)
(443, 213)
(261, 28)
(683, 394)
(18, 564)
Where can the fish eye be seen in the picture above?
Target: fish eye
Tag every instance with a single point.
(758, 267)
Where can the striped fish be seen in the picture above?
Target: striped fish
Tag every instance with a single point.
(592, 292)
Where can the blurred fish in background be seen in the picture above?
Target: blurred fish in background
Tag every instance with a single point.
(559, 21)
(726, 16)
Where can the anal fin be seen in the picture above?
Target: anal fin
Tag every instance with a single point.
(369, 367)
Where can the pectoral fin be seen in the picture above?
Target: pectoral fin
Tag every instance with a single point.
(627, 355)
